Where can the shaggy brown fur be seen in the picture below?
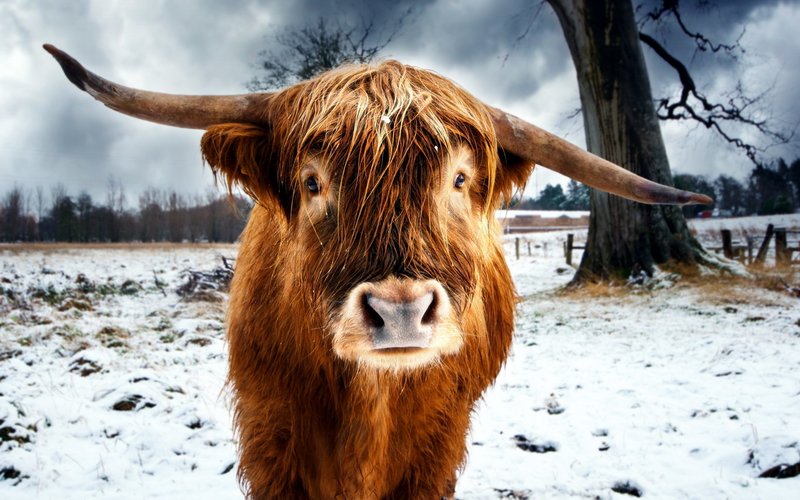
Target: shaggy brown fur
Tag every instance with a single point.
(384, 142)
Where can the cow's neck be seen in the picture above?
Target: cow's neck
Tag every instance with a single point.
(370, 427)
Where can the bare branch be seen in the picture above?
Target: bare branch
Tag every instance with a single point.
(694, 106)
(522, 36)
(702, 43)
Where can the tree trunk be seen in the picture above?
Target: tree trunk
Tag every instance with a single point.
(621, 125)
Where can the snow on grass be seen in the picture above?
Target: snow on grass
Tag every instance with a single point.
(663, 390)
(113, 385)
(121, 396)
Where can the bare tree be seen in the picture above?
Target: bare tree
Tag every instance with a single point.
(315, 48)
(730, 194)
(177, 217)
(213, 229)
(62, 215)
(622, 124)
(40, 202)
(84, 208)
(11, 222)
(115, 194)
(151, 215)
(196, 219)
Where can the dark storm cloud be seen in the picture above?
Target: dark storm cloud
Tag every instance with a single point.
(50, 132)
(503, 43)
(53, 133)
(722, 23)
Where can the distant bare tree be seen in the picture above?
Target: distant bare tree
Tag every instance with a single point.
(177, 217)
(115, 194)
(730, 194)
(213, 230)
(40, 202)
(151, 215)
(57, 191)
(11, 222)
(315, 48)
(196, 219)
(84, 208)
(62, 215)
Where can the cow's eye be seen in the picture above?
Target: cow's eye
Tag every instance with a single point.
(458, 183)
(312, 184)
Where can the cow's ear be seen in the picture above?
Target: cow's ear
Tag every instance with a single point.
(512, 173)
(243, 155)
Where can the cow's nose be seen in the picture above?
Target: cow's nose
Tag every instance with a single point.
(402, 314)
(396, 324)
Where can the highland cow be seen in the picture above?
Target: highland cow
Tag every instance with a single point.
(371, 304)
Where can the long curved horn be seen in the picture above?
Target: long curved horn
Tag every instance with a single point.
(541, 147)
(187, 111)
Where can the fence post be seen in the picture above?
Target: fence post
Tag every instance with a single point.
(762, 252)
(749, 250)
(529, 249)
(516, 247)
(782, 255)
(570, 238)
(727, 243)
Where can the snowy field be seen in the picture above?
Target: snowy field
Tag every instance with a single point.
(112, 384)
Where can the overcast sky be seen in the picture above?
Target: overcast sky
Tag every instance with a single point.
(52, 133)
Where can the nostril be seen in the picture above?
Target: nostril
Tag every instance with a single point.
(371, 316)
(430, 314)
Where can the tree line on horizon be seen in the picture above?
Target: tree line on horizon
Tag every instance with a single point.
(161, 216)
(167, 216)
(767, 190)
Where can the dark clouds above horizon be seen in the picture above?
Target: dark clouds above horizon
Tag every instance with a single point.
(50, 132)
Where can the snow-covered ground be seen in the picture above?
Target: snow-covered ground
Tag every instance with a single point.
(112, 385)
(129, 342)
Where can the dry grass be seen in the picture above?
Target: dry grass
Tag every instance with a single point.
(596, 290)
(18, 248)
(728, 290)
(766, 287)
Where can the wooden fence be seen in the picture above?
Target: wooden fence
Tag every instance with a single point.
(744, 251)
(787, 250)
(518, 245)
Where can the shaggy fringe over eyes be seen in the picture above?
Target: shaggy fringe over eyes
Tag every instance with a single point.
(383, 113)
(386, 131)
(359, 112)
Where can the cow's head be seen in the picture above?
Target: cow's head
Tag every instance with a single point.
(387, 178)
